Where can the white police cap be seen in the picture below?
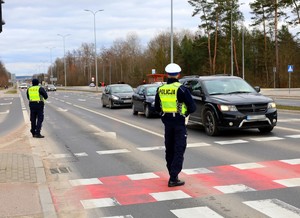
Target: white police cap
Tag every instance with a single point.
(173, 69)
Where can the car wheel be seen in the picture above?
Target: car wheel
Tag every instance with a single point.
(265, 129)
(147, 111)
(110, 104)
(134, 111)
(210, 123)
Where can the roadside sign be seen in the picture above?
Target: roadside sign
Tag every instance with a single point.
(290, 68)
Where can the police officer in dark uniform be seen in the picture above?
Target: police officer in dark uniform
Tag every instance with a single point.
(175, 103)
(36, 96)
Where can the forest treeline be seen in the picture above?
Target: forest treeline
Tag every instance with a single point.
(260, 52)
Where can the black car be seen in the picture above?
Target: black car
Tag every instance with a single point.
(229, 102)
(117, 95)
(143, 99)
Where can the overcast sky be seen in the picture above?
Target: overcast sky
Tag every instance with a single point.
(32, 27)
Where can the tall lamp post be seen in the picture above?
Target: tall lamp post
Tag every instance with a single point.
(95, 38)
(65, 66)
(171, 31)
(51, 72)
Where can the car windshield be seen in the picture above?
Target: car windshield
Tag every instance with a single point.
(227, 86)
(151, 91)
(121, 89)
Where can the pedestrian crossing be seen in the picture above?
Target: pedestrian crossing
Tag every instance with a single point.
(151, 187)
(189, 145)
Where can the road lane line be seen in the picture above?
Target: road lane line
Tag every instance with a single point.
(117, 151)
(97, 203)
(196, 212)
(229, 142)
(120, 121)
(291, 161)
(293, 182)
(274, 208)
(247, 166)
(227, 189)
(288, 129)
(169, 195)
(79, 182)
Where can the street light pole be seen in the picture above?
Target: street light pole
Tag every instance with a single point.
(231, 43)
(171, 31)
(65, 66)
(95, 38)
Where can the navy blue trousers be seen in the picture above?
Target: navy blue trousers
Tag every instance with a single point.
(175, 143)
(36, 118)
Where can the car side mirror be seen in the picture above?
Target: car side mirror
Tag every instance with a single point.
(257, 89)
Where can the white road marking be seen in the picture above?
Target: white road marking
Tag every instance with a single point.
(265, 139)
(7, 103)
(228, 142)
(61, 109)
(142, 176)
(151, 148)
(200, 144)
(126, 216)
(79, 182)
(4, 112)
(117, 151)
(61, 155)
(80, 99)
(111, 135)
(101, 202)
(274, 208)
(291, 161)
(83, 154)
(287, 129)
(120, 121)
(196, 212)
(189, 145)
(102, 133)
(196, 171)
(293, 182)
(234, 188)
(288, 120)
(170, 195)
(293, 136)
(246, 166)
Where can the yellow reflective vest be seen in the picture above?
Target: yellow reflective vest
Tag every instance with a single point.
(168, 97)
(34, 94)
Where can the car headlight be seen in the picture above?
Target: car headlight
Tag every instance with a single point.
(226, 107)
(115, 97)
(272, 105)
(153, 104)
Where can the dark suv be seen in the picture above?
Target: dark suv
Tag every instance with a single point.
(229, 102)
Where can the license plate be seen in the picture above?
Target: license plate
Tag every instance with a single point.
(127, 101)
(256, 117)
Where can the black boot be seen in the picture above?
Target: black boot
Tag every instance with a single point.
(177, 182)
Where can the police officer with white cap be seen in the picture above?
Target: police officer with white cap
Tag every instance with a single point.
(175, 103)
(36, 96)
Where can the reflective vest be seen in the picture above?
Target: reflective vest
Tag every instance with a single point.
(168, 97)
(34, 94)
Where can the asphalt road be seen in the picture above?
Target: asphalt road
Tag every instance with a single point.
(105, 162)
